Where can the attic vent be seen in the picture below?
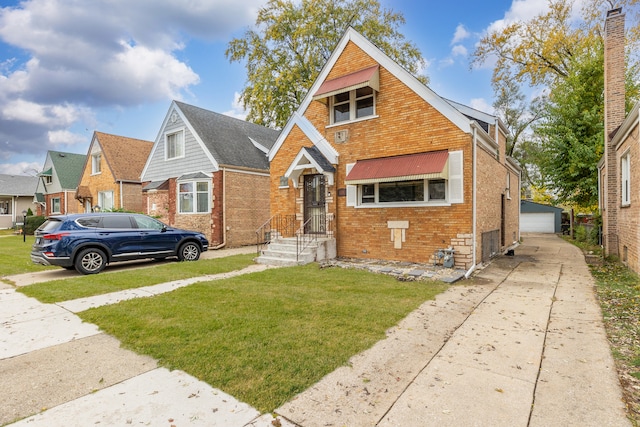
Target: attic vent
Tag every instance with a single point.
(341, 136)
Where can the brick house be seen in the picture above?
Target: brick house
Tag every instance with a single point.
(619, 200)
(385, 168)
(58, 182)
(209, 172)
(111, 174)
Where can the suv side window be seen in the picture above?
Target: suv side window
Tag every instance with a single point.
(147, 223)
(116, 221)
(90, 221)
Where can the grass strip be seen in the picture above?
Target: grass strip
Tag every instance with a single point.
(264, 337)
(98, 284)
(618, 290)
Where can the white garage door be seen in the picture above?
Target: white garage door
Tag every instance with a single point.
(537, 222)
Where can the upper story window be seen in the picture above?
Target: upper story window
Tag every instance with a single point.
(48, 179)
(174, 145)
(353, 105)
(95, 164)
(625, 184)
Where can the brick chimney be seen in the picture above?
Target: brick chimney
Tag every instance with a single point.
(614, 112)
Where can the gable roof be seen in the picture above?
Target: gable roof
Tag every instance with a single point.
(125, 156)
(429, 96)
(18, 185)
(68, 167)
(231, 141)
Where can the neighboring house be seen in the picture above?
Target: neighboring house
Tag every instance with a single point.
(387, 169)
(16, 196)
(58, 182)
(619, 168)
(111, 175)
(539, 218)
(209, 172)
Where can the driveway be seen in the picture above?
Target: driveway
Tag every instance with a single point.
(521, 344)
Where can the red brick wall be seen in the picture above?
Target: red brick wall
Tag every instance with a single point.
(247, 206)
(629, 216)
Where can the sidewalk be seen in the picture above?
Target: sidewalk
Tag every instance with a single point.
(522, 344)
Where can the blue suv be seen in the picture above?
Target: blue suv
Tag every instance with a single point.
(90, 241)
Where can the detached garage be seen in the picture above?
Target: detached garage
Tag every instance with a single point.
(539, 218)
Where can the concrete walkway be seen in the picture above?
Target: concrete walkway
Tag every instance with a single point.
(522, 344)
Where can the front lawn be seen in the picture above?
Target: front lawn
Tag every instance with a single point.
(103, 283)
(264, 337)
(15, 255)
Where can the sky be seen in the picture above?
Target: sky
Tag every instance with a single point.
(72, 67)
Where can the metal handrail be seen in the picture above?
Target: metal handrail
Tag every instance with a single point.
(277, 225)
(303, 239)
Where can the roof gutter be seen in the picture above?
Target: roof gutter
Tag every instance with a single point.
(474, 179)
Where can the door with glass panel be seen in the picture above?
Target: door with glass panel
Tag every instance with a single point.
(314, 204)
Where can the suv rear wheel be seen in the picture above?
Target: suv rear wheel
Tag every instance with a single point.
(189, 252)
(90, 261)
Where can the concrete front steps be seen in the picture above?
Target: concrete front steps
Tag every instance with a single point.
(282, 252)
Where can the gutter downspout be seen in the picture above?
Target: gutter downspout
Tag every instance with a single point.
(473, 249)
(121, 198)
(224, 211)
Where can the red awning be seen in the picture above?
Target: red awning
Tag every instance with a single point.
(400, 168)
(366, 77)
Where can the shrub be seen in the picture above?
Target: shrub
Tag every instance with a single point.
(32, 223)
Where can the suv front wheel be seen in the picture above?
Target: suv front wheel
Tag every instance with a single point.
(90, 261)
(189, 252)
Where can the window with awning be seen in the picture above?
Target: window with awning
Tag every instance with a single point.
(421, 178)
(351, 97)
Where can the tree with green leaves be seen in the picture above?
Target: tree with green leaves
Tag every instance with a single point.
(560, 52)
(291, 42)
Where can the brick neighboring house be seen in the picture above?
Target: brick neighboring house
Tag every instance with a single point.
(378, 162)
(58, 182)
(111, 173)
(16, 196)
(209, 172)
(619, 168)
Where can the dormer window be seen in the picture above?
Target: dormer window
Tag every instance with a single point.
(352, 105)
(351, 97)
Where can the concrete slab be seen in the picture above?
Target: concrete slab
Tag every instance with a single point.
(49, 377)
(155, 398)
(446, 395)
(30, 325)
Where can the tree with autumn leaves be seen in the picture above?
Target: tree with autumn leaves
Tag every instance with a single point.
(560, 53)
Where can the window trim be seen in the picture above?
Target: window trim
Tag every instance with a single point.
(625, 178)
(194, 194)
(101, 200)
(53, 199)
(96, 168)
(425, 203)
(352, 107)
(167, 134)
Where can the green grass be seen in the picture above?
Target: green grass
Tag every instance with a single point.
(15, 256)
(97, 284)
(265, 337)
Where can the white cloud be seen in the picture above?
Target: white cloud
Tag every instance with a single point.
(237, 109)
(481, 104)
(460, 34)
(65, 137)
(459, 50)
(20, 168)
(74, 57)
